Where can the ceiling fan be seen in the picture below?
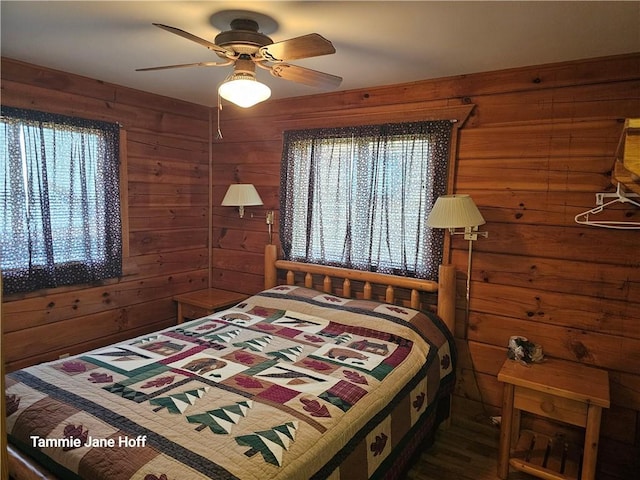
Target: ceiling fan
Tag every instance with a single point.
(245, 47)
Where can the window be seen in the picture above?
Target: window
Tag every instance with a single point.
(359, 197)
(59, 203)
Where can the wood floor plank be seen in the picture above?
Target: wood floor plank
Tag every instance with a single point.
(463, 451)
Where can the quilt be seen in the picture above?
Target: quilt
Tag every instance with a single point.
(290, 384)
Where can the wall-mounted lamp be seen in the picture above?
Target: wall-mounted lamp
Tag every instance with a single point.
(241, 87)
(244, 195)
(458, 211)
(241, 195)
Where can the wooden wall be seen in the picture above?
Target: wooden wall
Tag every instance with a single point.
(166, 202)
(539, 144)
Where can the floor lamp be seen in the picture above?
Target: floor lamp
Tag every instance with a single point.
(459, 211)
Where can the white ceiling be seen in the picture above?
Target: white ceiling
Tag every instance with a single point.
(377, 43)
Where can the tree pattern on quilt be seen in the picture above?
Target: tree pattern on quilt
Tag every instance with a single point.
(220, 420)
(178, 402)
(270, 443)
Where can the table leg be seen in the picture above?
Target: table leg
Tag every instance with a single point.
(505, 431)
(591, 439)
(180, 317)
(515, 427)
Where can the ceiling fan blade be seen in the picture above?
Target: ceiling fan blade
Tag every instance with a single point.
(305, 76)
(311, 45)
(198, 64)
(193, 38)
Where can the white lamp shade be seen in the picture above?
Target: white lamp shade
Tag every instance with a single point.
(455, 211)
(244, 90)
(241, 195)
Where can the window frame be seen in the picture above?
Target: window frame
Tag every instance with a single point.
(402, 113)
(122, 185)
(372, 185)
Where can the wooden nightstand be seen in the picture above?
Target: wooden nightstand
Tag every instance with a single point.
(204, 302)
(563, 391)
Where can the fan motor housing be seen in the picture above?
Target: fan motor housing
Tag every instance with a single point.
(243, 37)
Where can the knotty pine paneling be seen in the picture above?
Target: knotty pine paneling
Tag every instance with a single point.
(167, 179)
(547, 140)
(529, 106)
(565, 241)
(619, 282)
(151, 117)
(535, 174)
(534, 207)
(609, 351)
(54, 307)
(168, 263)
(540, 142)
(171, 217)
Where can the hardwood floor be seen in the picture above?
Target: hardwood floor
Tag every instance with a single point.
(463, 451)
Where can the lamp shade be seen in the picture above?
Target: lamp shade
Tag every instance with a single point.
(455, 211)
(241, 195)
(244, 90)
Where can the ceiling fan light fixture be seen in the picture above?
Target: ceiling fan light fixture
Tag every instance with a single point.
(242, 89)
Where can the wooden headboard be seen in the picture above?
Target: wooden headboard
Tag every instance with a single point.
(445, 287)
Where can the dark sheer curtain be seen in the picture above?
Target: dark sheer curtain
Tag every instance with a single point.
(60, 202)
(359, 196)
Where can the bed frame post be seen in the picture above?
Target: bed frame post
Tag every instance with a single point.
(447, 295)
(4, 459)
(270, 270)
(447, 312)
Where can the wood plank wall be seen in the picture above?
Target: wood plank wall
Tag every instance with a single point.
(166, 180)
(539, 144)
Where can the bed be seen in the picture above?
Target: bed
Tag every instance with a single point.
(314, 377)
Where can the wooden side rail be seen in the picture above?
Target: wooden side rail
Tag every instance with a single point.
(23, 467)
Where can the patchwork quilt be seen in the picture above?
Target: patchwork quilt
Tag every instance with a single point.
(290, 384)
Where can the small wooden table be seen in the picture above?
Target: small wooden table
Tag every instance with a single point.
(564, 391)
(204, 302)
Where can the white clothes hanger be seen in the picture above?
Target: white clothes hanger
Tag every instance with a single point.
(620, 196)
